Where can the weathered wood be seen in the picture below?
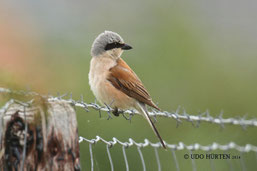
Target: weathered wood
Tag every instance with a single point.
(40, 136)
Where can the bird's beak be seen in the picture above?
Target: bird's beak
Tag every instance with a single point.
(126, 47)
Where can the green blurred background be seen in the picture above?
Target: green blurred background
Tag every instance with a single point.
(195, 54)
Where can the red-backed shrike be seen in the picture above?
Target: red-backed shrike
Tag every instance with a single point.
(113, 82)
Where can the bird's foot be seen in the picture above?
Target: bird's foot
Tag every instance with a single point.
(117, 112)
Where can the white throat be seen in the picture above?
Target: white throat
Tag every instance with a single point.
(114, 53)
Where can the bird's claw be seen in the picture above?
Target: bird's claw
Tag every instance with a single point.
(117, 112)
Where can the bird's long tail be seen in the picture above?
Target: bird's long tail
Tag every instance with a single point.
(146, 115)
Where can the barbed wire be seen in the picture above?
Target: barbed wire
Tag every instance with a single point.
(173, 147)
(178, 115)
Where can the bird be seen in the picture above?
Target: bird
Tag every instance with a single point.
(113, 82)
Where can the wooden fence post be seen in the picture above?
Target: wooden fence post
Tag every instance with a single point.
(38, 135)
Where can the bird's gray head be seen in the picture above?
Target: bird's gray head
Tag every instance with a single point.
(109, 42)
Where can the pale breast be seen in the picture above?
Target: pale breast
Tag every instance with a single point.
(103, 90)
(99, 69)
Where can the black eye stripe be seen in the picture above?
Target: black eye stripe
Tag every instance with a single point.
(113, 45)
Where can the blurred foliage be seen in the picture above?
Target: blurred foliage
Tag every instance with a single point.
(199, 55)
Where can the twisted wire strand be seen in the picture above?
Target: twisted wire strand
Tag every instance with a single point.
(178, 115)
(179, 146)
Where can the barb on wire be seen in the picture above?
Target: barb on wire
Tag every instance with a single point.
(178, 115)
(179, 146)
